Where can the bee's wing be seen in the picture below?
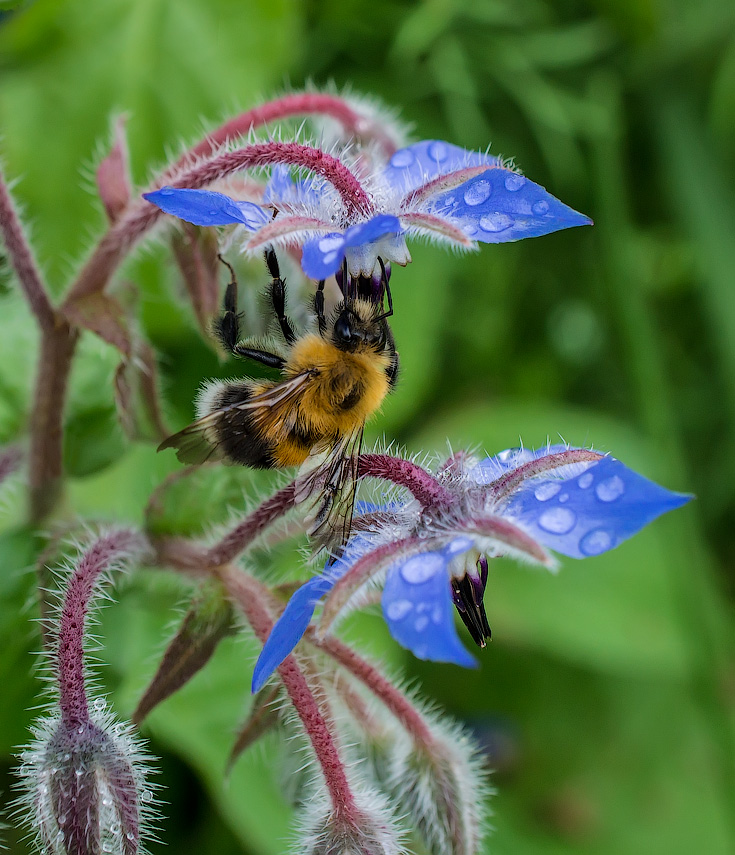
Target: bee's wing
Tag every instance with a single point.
(199, 442)
(330, 478)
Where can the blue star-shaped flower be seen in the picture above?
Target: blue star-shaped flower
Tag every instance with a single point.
(431, 188)
(517, 502)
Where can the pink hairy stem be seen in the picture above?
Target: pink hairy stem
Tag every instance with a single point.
(297, 104)
(253, 600)
(509, 482)
(424, 487)
(70, 653)
(141, 215)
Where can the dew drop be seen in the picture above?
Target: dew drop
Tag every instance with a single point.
(437, 615)
(478, 192)
(402, 158)
(130, 836)
(546, 491)
(419, 568)
(495, 222)
(514, 182)
(67, 757)
(330, 257)
(557, 520)
(596, 541)
(458, 545)
(99, 704)
(61, 819)
(421, 651)
(469, 228)
(146, 796)
(564, 498)
(586, 480)
(329, 244)
(421, 623)
(610, 489)
(438, 150)
(107, 801)
(107, 847)
(540, 208)
(398, 609)
(166, 191)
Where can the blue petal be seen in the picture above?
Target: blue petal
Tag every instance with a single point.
(372, 230)
(413, 166)
(282, 189)
(322, 256)
(500, 205)
(492, 468)
(207, 208)
(590, 511)
(418, 608)
(297, 615)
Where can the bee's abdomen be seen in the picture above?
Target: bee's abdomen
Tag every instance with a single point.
(241, 435)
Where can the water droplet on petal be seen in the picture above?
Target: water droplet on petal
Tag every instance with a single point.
(398, 609)
(495, 222)
(421, 651)
(546, 491)
(330, 257)
(610, 489)
(448, 200)
(419, 568)
(596, 541)
(478, 192)
(540, 208)
(328, 244)
(586, 480)
(421, 623)
(166, 191)
(557, 520)
(438, 150)
(564, 497)
(402, 158)
(437, 615)
(514, 182)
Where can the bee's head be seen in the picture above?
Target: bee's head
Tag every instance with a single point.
(355, 327)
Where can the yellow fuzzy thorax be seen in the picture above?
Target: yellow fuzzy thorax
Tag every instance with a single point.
(339, 374)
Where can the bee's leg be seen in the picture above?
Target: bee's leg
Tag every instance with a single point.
(278, 296)
(319, 307)
(227, 328)
(386, 289)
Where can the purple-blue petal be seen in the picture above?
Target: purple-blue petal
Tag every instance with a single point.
(591, 511)
(499, 205)
(207, 208)
(416, 164)
(372, 230)
(282, 189)
(418, 608)
(322, 256)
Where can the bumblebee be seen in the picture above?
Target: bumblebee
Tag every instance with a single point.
(332, 381)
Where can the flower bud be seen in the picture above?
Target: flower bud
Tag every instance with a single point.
(84, 788)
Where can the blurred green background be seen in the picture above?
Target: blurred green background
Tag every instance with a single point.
(606, 700)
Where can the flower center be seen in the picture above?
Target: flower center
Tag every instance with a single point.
(467, 594)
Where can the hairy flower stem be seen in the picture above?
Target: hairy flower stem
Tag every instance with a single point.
(240, 537)
(70, 654)
(425, 488)
(21, 257)
(382, 688)
(298, 104)
(252, 598)
(141, 216)
(47, 417)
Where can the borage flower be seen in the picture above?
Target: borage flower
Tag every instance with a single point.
(432, 188)
(431, 552)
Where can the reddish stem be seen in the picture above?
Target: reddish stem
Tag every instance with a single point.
(70, 653)
(252, 598)
(300, 103)
(21, 257)
(142, 215)
(425, 488)
(394, 700)
(45, 462)
(240, 537)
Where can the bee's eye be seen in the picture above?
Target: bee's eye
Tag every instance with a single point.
(343, 330)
